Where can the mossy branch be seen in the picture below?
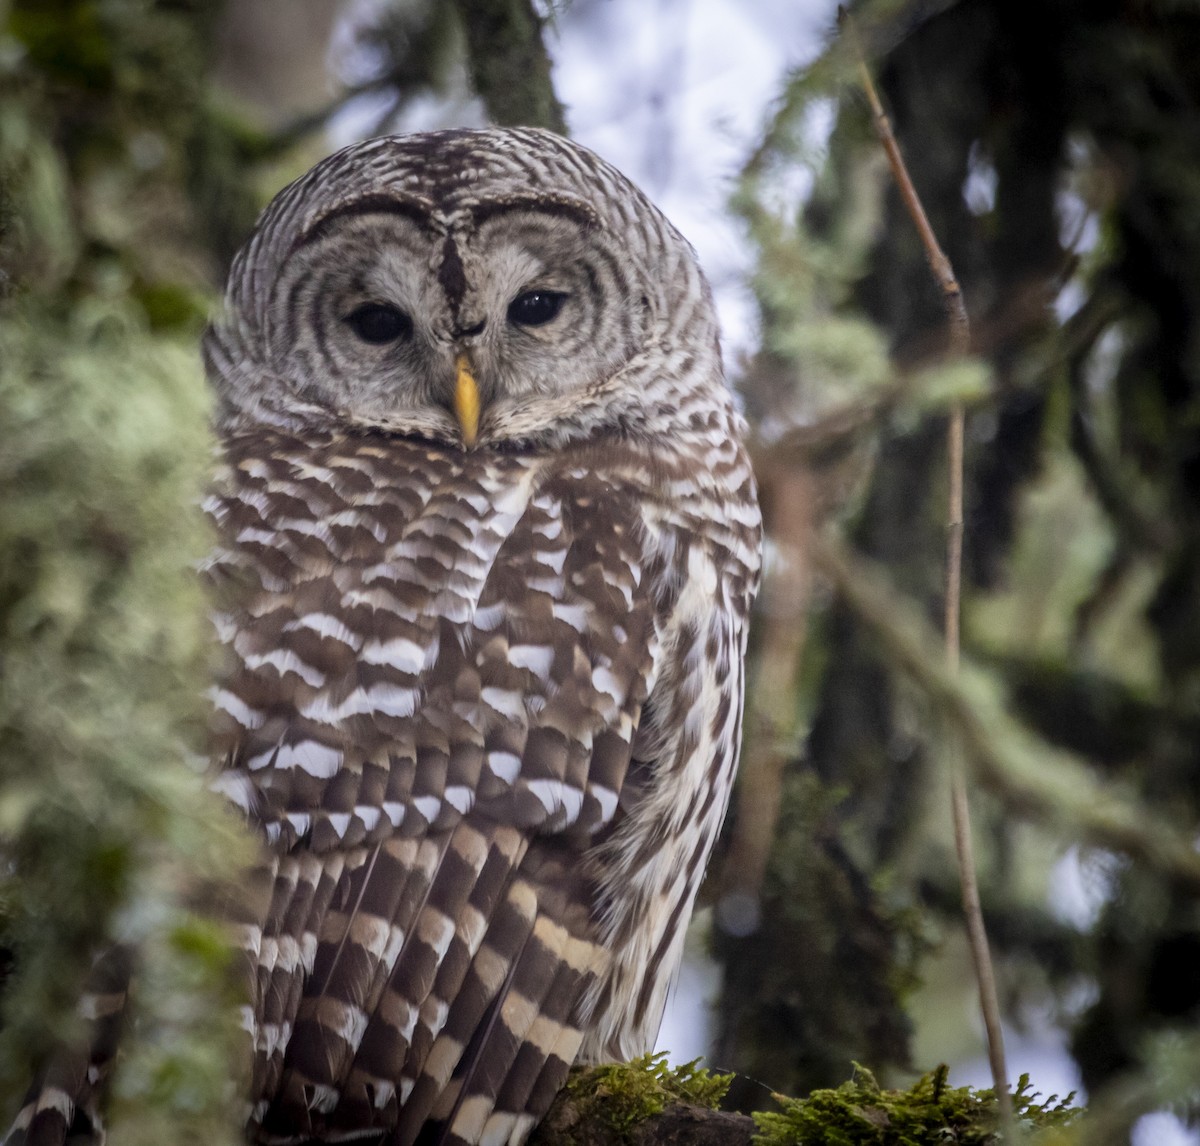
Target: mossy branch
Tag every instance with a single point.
(641, 1103)
(647, 1103)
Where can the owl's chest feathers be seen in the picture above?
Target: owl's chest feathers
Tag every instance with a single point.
(397, 581)
(356, 509)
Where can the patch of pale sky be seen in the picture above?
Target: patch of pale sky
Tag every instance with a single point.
(1080, 885)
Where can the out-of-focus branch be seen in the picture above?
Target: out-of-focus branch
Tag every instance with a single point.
(505, 56)
(803, 477)
(1137, 528)
(791, 506)
(1029, 774)
(509, 65)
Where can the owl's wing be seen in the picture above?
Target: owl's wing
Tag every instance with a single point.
(437, 675)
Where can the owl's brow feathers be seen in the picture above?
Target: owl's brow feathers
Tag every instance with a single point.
(418, 211)
(434, 220)
(431, 219)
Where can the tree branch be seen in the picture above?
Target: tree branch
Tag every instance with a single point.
(509, 65)
(571, 1123)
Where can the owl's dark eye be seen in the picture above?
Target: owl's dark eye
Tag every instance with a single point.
(378, 323)
(536, 307)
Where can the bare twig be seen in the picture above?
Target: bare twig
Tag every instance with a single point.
(960, 341)
(943, 272)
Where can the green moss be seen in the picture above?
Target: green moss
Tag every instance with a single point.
(861, 1113)
(622, 1095)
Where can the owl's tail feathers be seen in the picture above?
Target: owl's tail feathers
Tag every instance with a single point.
(520, 1040)
(397, 941)
(66, 1099)
(445, 987)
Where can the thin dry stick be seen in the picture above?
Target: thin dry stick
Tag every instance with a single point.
(960, 340)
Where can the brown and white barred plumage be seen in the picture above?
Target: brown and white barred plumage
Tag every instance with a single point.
(483, 700)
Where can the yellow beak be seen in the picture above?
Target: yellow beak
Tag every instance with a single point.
(466, 400)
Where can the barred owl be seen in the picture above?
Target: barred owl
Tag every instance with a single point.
(490, 540)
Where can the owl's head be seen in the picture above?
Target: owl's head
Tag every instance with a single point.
(473, 287)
